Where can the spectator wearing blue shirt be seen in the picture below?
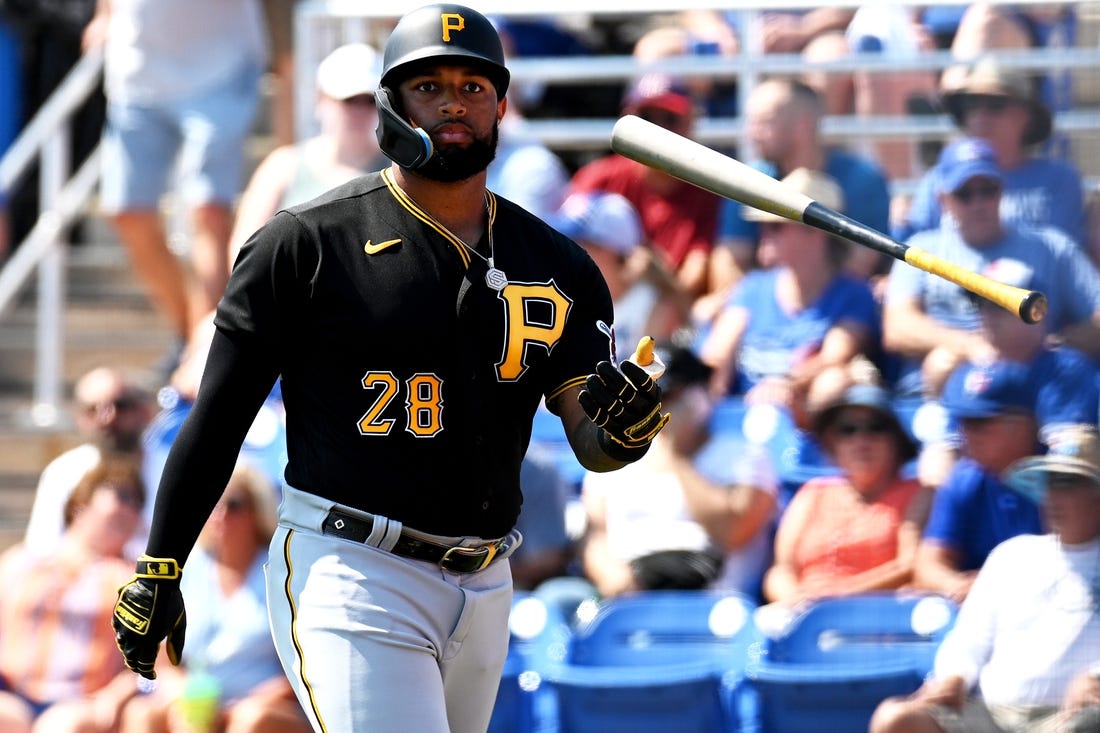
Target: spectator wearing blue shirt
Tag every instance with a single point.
(783, 119)
(974, 511)
(1002, 106)
(785, 326)
(1059, 381)
(924, 313)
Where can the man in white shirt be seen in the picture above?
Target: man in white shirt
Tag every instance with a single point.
(111, 411)
(1024, 654)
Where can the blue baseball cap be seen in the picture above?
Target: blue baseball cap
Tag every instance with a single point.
(965, 159)
(988, 390)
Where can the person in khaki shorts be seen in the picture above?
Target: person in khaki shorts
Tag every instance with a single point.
(1024, 654)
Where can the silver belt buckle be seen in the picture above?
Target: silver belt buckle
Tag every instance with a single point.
(468, 559)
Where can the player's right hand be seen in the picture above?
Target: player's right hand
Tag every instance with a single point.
(150, 608)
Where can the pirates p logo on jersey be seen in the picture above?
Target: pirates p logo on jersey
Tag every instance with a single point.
(451, 22)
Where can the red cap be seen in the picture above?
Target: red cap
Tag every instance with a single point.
(661, 91)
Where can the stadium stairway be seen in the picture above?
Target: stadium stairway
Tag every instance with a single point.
(108, 320)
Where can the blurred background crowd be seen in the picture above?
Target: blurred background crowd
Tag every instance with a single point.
(843, 423)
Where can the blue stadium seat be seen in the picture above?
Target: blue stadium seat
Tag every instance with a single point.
(657, 662)
(838, 659)
(514, 711)
(538, 638)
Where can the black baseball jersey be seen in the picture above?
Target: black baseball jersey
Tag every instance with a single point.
(409, 383)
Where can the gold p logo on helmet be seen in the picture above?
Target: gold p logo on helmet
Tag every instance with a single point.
(451, 22)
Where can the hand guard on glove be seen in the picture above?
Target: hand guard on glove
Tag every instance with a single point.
(626, 404)
(150, 608)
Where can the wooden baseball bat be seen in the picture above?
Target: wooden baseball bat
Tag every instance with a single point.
(697, 164)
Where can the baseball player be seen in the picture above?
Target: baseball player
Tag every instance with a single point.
(416, 320)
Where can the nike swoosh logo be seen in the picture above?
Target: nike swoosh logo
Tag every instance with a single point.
(373, 249)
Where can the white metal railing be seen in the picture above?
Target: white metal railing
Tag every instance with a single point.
(61, 200)
(320, 25)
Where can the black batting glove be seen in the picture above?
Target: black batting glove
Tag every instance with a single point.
(626, 403)
(150, 608)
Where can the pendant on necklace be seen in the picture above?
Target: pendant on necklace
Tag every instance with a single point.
(496, 279)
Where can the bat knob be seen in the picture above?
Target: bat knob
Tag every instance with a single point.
(1033, 308)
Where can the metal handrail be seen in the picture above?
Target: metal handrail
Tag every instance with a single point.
(78, 84)
(68, 204)
(61, 201)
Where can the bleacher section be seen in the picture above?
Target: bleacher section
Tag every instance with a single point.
(698, 662)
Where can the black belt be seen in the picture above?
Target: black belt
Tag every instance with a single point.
(450, 558)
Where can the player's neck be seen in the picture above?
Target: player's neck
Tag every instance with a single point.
(458, 206)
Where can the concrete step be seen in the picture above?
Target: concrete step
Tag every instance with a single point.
(107, 319)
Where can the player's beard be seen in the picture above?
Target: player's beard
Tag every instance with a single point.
(451, 164)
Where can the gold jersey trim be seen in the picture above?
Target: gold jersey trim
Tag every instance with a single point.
(413, 208)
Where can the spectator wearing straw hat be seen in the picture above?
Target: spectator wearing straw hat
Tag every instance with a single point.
(1001, 105)
(1024, 653)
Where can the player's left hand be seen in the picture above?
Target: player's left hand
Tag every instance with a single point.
(626, 403)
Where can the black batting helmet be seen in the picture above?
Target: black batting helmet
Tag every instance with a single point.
(440, 32)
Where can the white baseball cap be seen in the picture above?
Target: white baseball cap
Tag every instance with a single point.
(605, 219)
(349, 71)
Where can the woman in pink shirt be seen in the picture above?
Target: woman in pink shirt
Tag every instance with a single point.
(856, 531)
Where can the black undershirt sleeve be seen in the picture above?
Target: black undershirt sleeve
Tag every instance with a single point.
(237, 379)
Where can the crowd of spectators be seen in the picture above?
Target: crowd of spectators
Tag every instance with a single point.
(751, 310)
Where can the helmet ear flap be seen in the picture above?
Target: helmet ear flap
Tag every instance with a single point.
(408, 146)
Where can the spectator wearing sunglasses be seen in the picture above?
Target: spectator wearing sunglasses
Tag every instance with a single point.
(974, 511)
(111, 410)
(927, 316)
(856, 531)
(1003, 107)
(344, 147)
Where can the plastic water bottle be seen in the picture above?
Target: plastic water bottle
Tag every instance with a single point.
(198, 705)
